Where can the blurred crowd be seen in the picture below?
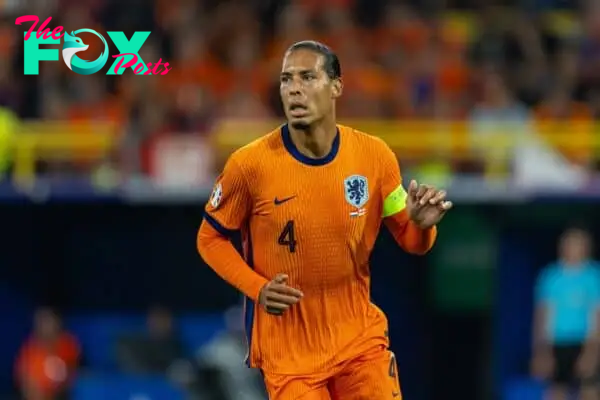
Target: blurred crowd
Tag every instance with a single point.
(425, 60)
(59, 357)
(52, 359)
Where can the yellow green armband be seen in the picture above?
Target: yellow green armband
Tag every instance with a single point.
(395, 202)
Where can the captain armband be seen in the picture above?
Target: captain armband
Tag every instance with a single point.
(395, 202)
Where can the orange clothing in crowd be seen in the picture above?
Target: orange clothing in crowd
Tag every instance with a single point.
(209, 74)
(49, 368)
(576, 122)
(107, 110)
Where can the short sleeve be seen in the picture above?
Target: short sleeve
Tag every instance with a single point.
(230, 202)
(392, 191)
(595, 287)
(543, 286)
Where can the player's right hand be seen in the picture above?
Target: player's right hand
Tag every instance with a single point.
(542, 364)
(276, 296)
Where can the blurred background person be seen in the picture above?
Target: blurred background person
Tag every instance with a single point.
(153, 351)
(223, 353)
(567, 324)
(48, 360)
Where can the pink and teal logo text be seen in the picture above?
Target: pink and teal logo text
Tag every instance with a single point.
(128, 56)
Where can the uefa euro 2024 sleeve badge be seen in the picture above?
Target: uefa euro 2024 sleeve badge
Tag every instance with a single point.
(216, 196)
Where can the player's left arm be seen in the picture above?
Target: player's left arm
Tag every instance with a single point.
(410, 216)
(590, 355)
(594, 298)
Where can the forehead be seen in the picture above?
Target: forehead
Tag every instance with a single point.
(302, 60)
(45, 315)
(575, 235)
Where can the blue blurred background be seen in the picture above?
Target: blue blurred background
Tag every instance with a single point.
(104, 178)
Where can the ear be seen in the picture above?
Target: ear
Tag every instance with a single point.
(337, 88)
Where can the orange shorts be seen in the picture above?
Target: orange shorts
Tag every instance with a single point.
(371, 376)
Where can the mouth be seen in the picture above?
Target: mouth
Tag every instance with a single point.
(298, 110)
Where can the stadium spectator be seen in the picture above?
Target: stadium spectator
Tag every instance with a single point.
(153, 351)
(223, 353)
(497, 113)
(565, 342)
(47, 362)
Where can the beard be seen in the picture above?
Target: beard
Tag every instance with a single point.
(300, 125)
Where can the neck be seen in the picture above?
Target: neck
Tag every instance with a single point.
(500, 102)
(47, 340)
(572, 263)
(315, 141)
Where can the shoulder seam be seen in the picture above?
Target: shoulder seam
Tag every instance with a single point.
(244, 177)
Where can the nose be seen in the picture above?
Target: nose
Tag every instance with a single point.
(294, 88)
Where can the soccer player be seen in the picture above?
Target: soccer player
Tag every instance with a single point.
(566, 329)
(309, 199)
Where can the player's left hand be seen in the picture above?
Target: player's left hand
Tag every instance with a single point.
(587, 364)
(426, 205)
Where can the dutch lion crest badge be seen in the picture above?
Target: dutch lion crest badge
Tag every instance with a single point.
(357, 190)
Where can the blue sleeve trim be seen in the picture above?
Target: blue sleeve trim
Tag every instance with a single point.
(218, 226)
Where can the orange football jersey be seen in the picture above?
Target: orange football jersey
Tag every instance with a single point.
(315, 220)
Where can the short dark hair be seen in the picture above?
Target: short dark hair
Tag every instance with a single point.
(577, 226)
(332, 62)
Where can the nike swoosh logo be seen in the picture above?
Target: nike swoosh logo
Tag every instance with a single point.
(281, 201)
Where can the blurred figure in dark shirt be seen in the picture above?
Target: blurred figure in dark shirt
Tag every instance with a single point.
(153, 351)
(223, 355)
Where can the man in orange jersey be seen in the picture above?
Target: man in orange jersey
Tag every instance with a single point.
(309, 199)
(48, 360)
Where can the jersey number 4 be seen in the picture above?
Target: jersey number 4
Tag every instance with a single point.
(288, 236)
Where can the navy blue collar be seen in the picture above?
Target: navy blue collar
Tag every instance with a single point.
(294, 152)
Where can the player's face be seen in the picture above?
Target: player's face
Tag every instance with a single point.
(47, 324)
(575, 246)
(307, 92)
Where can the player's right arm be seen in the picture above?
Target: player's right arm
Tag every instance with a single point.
(227, 210)
(542, 362)
(540, 318)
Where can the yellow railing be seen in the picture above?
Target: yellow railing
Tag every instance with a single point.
(37, 141)
(458, 139)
